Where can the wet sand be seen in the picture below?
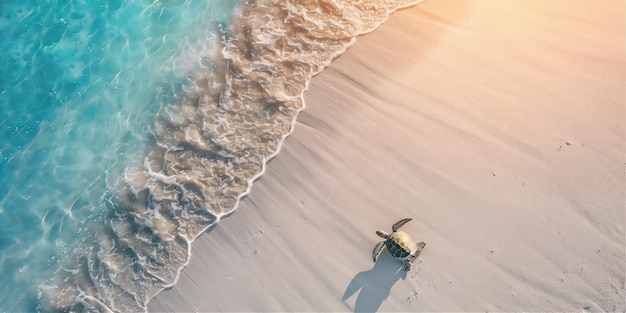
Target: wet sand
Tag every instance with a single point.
(497, 125)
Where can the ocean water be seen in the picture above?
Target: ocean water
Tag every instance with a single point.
(127, 128)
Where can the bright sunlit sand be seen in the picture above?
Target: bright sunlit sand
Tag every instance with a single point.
(498, 126)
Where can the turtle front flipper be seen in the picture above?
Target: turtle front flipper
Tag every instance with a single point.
(377, 250)
(382, 234)
(400, 223)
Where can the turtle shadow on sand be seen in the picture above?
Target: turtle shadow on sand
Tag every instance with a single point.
(375, 284)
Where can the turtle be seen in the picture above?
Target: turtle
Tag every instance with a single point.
(399, 244)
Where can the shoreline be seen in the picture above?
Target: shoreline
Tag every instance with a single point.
(475, 119)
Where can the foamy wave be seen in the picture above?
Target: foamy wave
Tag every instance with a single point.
(207, 149)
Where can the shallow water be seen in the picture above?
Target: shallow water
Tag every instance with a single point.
(129, 127)
(81, 84)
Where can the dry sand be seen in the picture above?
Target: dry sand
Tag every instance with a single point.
(497, 125)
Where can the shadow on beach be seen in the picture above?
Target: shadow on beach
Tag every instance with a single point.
(375, 284)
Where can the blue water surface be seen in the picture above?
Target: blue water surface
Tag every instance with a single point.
(80, 84)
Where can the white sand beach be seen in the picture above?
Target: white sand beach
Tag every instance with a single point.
(498, 126)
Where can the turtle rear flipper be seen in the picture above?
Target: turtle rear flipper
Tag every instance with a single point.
(406, 265)
(420, 245)
(400, 223)
(377, 250)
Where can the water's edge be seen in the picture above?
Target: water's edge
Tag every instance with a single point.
(207, 150)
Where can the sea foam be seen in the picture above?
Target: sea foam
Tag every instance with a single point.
(206, 149)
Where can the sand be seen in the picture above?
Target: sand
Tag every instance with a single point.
(497, 125)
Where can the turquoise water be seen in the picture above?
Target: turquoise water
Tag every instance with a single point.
(80, 85)
(128, 128)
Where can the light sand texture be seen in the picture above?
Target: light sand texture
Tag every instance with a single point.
(497, 125)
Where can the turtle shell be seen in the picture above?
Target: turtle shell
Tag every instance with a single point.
(399, 245)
